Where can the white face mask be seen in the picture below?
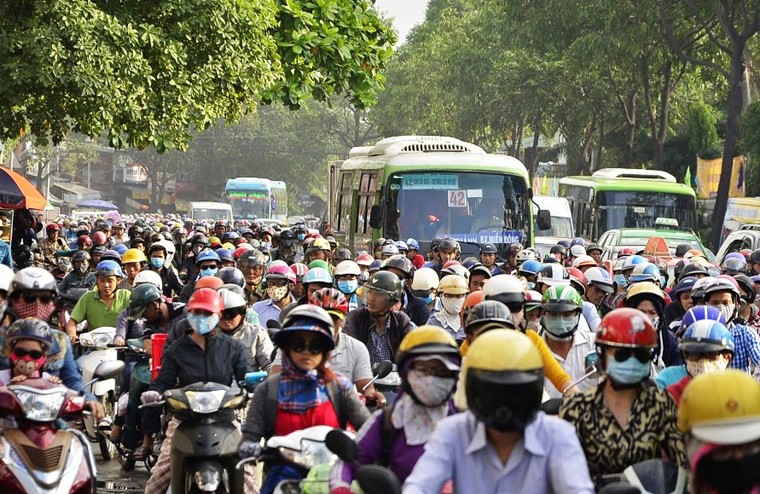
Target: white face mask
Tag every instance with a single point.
(727, 311)
(705, 366)
(452, 305)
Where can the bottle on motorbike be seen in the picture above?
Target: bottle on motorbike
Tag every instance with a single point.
(428, 363)
(304, 394)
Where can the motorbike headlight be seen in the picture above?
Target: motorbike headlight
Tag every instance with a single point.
(234, 402)
(40, 407)
(101, 340)
(205, 401)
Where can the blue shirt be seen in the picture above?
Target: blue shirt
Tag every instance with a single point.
(746, 347)
(670, 375)
(548, 459)
(266, 309)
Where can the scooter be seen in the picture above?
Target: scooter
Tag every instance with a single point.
(204, 446)
(38, 454)
(654, 476)
(372, 479)
(98, 343)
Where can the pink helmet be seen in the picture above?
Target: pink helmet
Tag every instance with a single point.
(99, 238)
(299, 269)
(280, 270)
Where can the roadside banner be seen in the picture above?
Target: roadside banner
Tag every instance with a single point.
(708, 177)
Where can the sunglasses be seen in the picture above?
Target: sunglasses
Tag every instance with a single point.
(299, 346)
(232, 313)
(30, 298)
(643, 355)
(35, 354)
(208, 266)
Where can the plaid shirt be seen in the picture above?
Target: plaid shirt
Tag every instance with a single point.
(380, 349)
(747, 347)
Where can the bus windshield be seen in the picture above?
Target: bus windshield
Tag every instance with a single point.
(249, 205)
(624, 209)
(562, 227)
(471, 207)
(210, 214)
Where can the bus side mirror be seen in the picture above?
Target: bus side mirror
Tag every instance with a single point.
(704, 220)
(376, 216)
(544, 219)
(587, 216)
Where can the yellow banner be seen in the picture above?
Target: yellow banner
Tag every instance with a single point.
(708, 177)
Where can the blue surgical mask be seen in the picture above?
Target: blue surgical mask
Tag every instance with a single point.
(301, 237)
(202, 324)
(531, 285)
(157, 262)
(429, 299)
(621, 281)
(560, 328)
(208, 272)
(348, 286)
(628, 372)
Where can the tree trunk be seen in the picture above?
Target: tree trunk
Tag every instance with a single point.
(630, 130)
(732, 137)
(531, 155)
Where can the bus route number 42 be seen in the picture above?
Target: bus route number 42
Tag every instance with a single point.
(457, 198)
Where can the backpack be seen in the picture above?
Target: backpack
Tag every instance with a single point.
(270, 406)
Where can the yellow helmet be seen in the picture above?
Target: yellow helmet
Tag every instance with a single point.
(453, 285)
(133, 255)
(319, 244)
(228, 245)
(644, 287)
(721, 408)
(214, 240)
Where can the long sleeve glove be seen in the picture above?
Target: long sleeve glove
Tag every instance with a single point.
(248, 449)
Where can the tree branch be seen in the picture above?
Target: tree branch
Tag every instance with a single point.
(708, 29)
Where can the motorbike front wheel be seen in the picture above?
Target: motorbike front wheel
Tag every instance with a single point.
(107, 448)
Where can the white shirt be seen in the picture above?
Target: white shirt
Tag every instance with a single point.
(575, 363)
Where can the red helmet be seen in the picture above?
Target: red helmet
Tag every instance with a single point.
(577, 276)
(625, 252)
(450, 263)
(331, 300)
(626, 327)
(746, 253)
(300, 270)
(206, 299)
(99, 238)
(84, 241)
(52, 227)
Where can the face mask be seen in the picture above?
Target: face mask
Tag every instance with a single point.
(348, 286)
(705, 366)
(277, 293)
(733, 475)
(662, 281)
(452, 305)
(287, 243)
(208, 272)
(157, 262)
(430, 391)
(202, 324)
(26, 365)
(727, 311)
(531, 285)
(627, 374)
(656, 322)
(429, 299)
(301, 237)
(535, 325)
(34, 309)
(560, 328)
(621, 281)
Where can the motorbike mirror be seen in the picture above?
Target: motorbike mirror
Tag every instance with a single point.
(274, 324)
(339, 443)
(382, 369)
(108, 369)
(551, 406)
(374, 479)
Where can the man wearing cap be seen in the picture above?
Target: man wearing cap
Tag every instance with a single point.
(100, 307)
(720, 416)
(488, 259)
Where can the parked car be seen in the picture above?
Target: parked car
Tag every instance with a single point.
(746, 238)
(614, 240)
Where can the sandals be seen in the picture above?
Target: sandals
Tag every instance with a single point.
(141, 453)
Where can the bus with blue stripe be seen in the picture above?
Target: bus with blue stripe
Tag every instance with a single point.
(254, 198)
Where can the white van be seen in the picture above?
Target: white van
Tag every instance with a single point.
(562, 227)
(202, 210)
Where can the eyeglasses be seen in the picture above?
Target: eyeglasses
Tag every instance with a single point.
(643, 355)
(208, 266)
(277, 283)
(232, 313)
(31, 297)
(22, 352)
(299, 346)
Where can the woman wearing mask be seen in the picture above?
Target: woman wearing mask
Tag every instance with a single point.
(452, 291)
(650, 299)
(428, 363)
(280, 281)
(207, 263)
(304, 394)
(623, 421)
(425, 285)
(347, 275)
(28, 342)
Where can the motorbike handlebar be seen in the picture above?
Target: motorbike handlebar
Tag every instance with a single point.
(155, 404)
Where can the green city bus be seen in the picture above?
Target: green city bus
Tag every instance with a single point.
(427, 187)
(615, 198)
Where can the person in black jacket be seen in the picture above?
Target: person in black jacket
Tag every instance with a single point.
(376, 325)
(414, 307)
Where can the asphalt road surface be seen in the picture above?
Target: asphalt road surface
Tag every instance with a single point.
(111, 478)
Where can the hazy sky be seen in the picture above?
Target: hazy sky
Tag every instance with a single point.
(406, 13)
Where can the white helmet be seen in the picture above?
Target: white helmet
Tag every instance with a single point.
(390, 250)
(457, 269)
(425, 279)
(347, 267)
(231, 299)
(6, 275)
(525, 255)
(599, 278)
(505, 288)
(553, 275)
(33, 278)
(170, 251)
(577, 250)
(149, 276)
(584, 260)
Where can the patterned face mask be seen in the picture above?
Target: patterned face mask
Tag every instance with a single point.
(34, 309)
(431, 391)
(705, 366)
(277, 293)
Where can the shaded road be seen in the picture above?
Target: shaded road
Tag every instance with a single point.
(112, 479)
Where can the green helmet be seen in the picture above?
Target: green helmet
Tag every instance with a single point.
(386, 282)
(562, 299)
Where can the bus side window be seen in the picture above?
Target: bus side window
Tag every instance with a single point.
(367, 190)
(344, 203)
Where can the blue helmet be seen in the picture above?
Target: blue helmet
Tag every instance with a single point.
(707, 336)
(318, 275)
(631, 261)
(644, 271)
(685, 285)
(207, 255)
(120, 248)
(412, 244)
(402, 246)
(225, 255)
(531, 267)
(577, 241)
(700, 313)
(109, 268)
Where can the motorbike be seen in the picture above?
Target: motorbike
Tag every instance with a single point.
(654, 476)
(372, 479)
(389, 384)
(38, 454)
(204, 445)
(98, 345)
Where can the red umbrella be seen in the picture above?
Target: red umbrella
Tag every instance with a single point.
(16, 192)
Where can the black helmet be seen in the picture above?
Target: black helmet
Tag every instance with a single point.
(694, 268)
(386, 282)
(98, 249)
(252, 259)
(488, 311)
(29, 328)
(286, 234)
(746, 285)
(341, 254)
(755, 256)
(401, 263)
(558, 249)
(80, 255)
(141, 296)
(199, 238)
(231, 275)
(448, 244)
(488, 249)
(681, 249)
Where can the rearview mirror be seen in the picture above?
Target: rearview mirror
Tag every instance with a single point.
(376, 216)
(544, 219)
(108, 369)
(382, 369)
(273, 324)
(374, 479)
(339, 443)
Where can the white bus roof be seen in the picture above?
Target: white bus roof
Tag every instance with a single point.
(209, 205)
(636, 174)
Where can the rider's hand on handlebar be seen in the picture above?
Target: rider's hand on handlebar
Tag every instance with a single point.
(73, 338)
(96, 408)
(249, 449)
(377, 397)
(149, 397)
(118, 341)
